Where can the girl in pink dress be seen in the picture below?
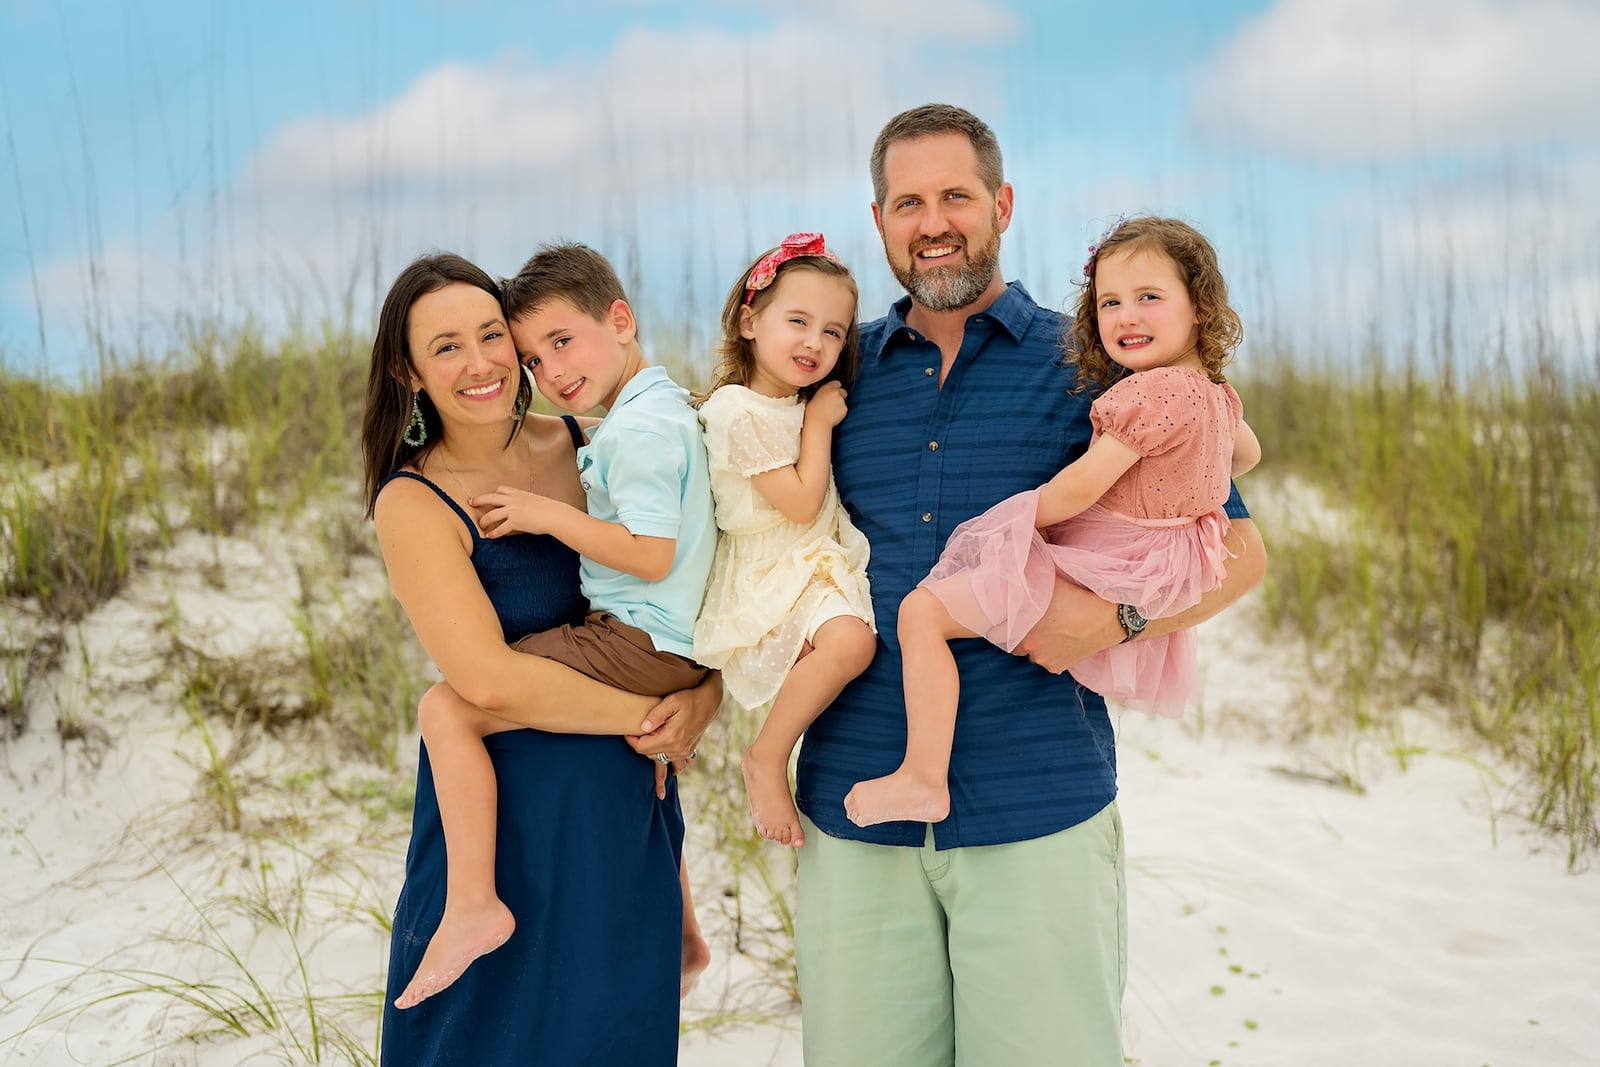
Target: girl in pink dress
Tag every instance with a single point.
(1137, 519)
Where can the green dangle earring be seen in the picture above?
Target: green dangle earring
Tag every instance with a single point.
(524, 395)
(416, 431)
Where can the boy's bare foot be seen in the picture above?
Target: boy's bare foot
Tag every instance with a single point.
(897, 797)
(767, 786)
(696, 958)
(464, 934)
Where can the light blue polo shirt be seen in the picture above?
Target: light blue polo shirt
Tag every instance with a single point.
(645, 468)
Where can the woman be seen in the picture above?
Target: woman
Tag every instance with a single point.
(589, 839)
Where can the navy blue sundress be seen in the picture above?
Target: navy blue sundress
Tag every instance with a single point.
(586, 859)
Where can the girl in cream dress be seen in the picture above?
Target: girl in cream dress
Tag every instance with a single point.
(787, 615)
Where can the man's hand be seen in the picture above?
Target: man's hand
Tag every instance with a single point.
(1075, 626)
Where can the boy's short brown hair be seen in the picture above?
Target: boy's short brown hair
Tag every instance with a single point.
(570, 271)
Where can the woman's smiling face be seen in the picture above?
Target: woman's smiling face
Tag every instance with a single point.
(461, 354)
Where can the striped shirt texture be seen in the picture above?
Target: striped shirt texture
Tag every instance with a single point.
(1034, 752)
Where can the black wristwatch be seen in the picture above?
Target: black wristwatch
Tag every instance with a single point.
(1131, 621)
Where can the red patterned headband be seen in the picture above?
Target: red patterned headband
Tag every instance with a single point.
(794, 246)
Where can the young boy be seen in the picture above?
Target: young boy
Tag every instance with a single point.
(645, 542)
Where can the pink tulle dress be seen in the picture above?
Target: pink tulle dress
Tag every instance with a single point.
(1154, 540)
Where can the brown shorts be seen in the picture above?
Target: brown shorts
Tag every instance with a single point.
(610, 651)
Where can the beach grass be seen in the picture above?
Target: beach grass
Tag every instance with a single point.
(215, 435)
(1446, 564)
(247, 965)
(1456, 570)
(1455, 565)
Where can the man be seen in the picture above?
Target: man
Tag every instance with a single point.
(997, 936)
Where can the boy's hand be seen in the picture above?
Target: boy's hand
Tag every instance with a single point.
(826, 406)
(513, 511)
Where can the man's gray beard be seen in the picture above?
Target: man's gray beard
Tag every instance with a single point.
(951, 288)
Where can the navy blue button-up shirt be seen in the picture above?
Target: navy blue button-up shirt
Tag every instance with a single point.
(1034, 751)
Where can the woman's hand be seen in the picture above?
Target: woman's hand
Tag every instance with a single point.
(676, 724)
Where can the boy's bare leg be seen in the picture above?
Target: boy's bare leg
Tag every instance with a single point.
(841, 649)
(696, 953)
(919, 791)
(475, 921)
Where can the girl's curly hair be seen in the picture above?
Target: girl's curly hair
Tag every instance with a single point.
(1220, 330)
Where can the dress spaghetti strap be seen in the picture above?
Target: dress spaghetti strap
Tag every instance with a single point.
(575, 430)
(442, 496)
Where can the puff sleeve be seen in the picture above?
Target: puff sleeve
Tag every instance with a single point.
(1151, 411)
(742, 438)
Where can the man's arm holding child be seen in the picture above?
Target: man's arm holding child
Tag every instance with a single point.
(1078, 624)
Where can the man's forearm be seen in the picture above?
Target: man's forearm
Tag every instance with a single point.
(1246, 568)
(1078, 624)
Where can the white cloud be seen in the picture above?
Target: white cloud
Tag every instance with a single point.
(1455, 264)
(967, 21)
(1519, 246)
(685, 146)
(1343, 81)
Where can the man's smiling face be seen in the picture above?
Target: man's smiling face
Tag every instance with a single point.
(940, 226)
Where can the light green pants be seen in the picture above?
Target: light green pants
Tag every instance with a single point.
(995, 956)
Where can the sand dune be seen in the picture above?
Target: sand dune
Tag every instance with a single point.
(1278, 917)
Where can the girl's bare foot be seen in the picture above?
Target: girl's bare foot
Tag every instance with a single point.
(464, 934)
(897, 797)
(696, 958)
(766, 784)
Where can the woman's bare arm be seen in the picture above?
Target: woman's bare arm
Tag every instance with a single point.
(426, 550)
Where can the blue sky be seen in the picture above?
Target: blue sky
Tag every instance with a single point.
(1367, 168)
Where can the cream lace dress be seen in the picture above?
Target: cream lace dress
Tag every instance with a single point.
(770, 575)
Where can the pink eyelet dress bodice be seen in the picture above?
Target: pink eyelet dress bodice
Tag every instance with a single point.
(1153, 540)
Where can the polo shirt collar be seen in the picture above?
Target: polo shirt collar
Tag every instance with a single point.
(1013, 310)
(647, 377)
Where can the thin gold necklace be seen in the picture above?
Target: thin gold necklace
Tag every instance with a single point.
(466, 496)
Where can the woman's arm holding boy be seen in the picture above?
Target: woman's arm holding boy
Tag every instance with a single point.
(431, 574)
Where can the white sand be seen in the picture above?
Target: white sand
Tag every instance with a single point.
(1276, 917)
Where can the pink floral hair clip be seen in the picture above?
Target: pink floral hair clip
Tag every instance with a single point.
(794, 246)
(1094, 249)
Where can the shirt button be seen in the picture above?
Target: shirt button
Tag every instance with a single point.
(910, 336)
(933, 446)
(929, 372)
(927, 516)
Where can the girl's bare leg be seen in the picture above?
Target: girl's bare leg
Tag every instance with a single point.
(696, 953)
(475, 921)
(919, 791)
(841, 649)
